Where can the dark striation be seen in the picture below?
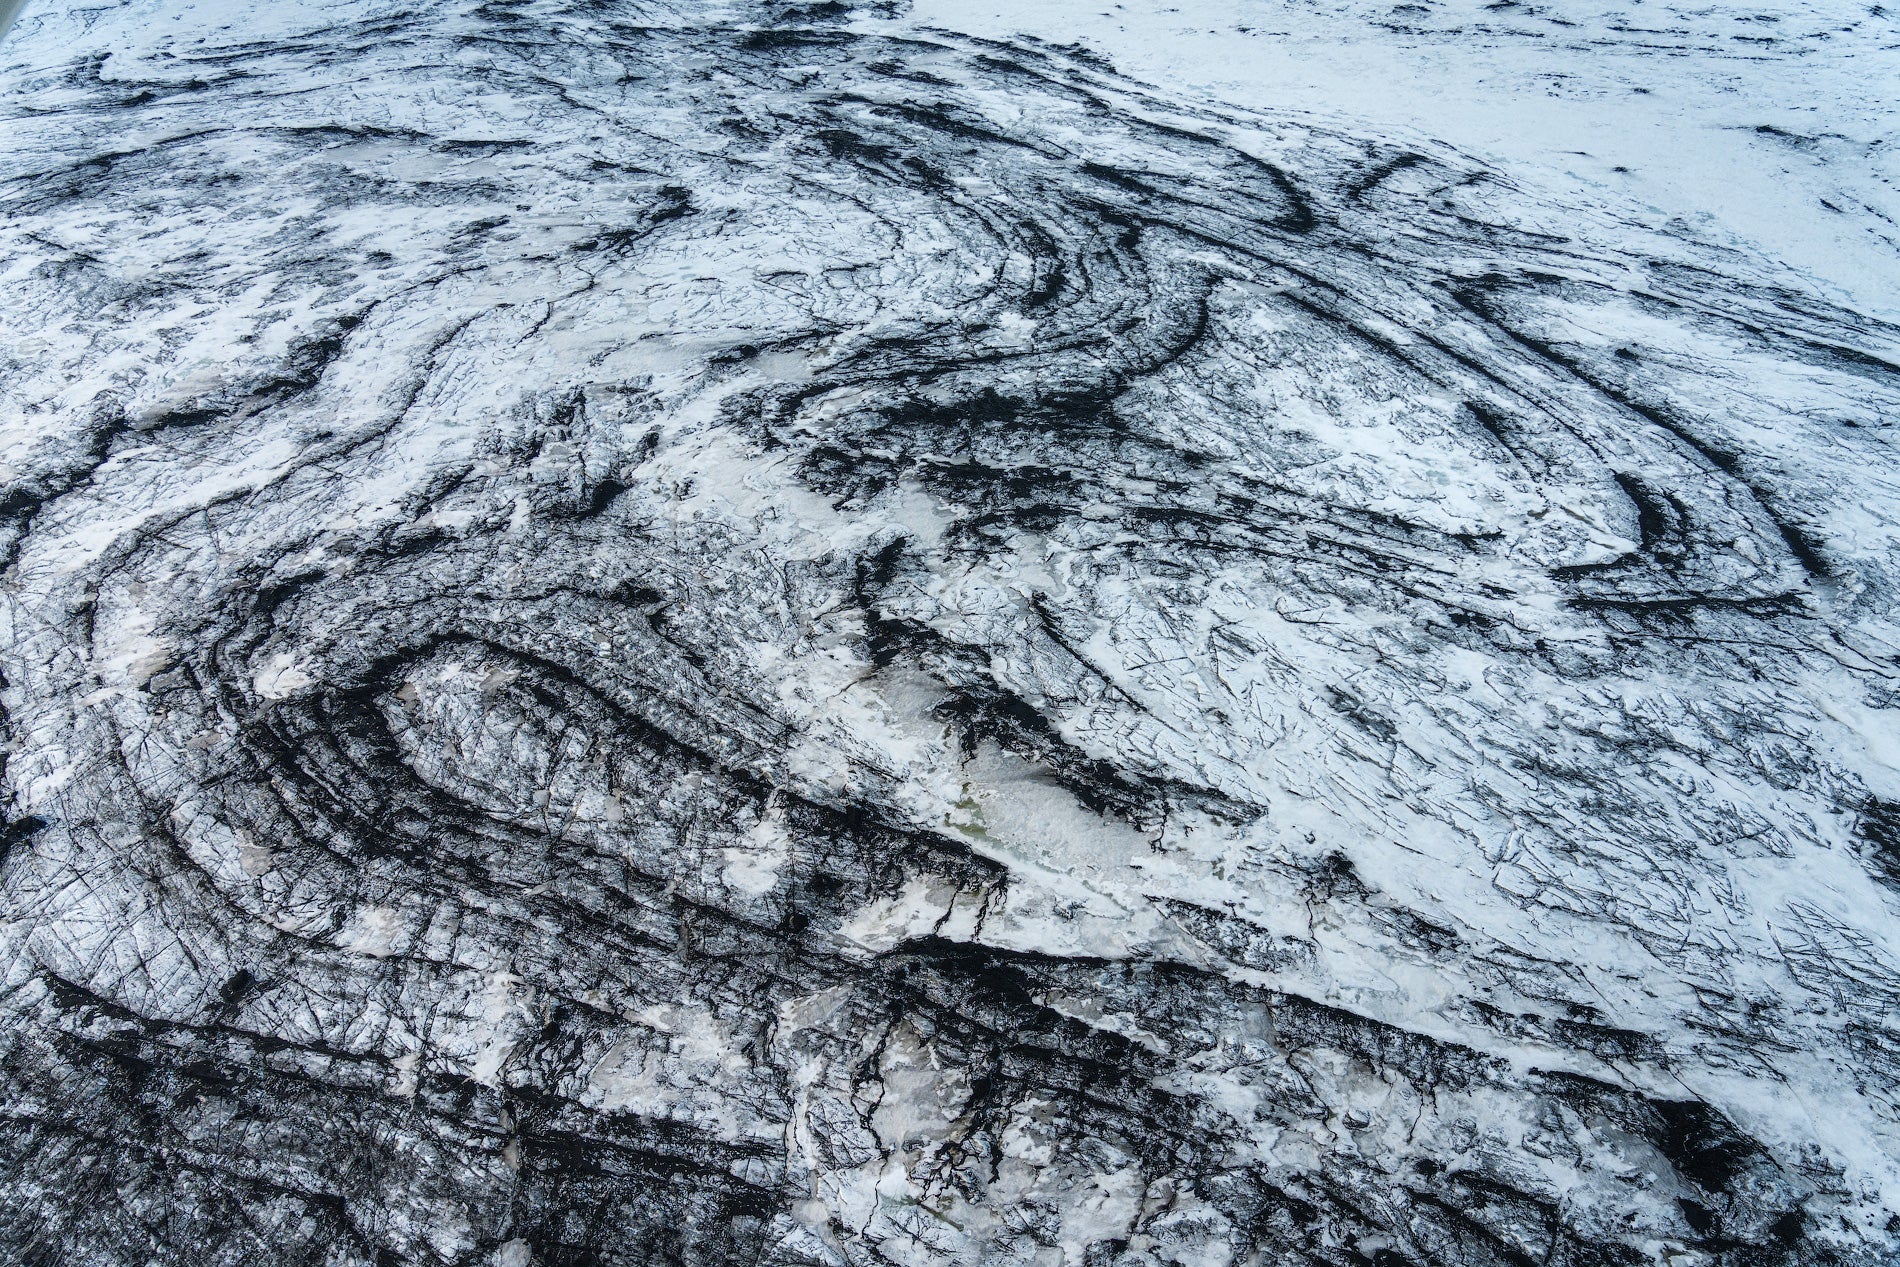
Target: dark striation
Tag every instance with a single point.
(637, 637)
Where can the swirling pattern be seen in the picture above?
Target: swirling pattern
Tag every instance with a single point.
(646, 635)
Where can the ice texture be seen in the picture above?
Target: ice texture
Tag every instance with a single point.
(788, 635)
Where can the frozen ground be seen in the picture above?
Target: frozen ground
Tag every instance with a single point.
(700, 634)
(1775, 125)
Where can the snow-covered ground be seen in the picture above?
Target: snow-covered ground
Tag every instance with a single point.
(807, 635)
(1775, 124)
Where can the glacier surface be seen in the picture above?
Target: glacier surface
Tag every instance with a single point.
(820, 634)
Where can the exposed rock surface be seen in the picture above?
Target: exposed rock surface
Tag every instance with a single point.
(644, 634)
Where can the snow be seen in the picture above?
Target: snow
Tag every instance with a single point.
(922, 633)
